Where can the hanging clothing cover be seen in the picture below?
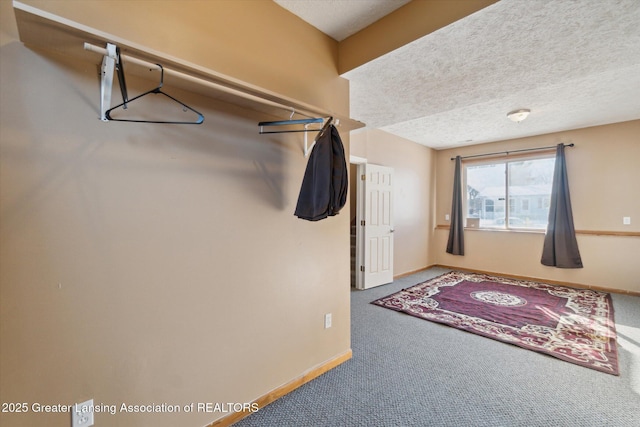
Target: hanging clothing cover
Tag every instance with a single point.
(324, 187)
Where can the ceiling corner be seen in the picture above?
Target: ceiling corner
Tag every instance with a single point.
(402, 26)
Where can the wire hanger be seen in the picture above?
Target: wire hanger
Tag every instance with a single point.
(323, 130)
(157, 90)
(294, 126)
(293, 123)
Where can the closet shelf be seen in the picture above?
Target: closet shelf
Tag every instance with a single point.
(42, 30)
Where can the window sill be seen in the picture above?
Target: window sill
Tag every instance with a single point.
(507, 230)
(499, 230)
(532, 231)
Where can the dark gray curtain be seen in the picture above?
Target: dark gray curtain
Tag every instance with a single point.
(560, 244)
(455, 245)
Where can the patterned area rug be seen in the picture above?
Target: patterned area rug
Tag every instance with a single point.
(575, 325)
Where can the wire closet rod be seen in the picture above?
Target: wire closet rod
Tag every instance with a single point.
(167, 71)
(514, 151)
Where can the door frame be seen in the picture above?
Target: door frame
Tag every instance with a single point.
(355, 180)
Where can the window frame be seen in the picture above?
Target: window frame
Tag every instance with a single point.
(505, 159)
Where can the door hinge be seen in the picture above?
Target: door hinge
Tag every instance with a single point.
(363, 177)
(362, 223)
(362, 268)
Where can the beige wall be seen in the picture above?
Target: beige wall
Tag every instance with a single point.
(150, 263)
(413, 201)
(603, 177)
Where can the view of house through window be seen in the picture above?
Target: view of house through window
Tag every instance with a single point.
(526, 184)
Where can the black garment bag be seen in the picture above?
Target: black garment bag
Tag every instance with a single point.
(324, 187)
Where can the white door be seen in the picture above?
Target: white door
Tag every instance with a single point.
(375, 226)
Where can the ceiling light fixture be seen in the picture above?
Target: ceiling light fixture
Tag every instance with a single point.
(518, 115)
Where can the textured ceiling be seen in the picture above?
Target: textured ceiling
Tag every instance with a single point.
(573, 63)
(341, 18)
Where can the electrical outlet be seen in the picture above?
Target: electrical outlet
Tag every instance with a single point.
(626, 220)
(447, 217)
(327, 320)
(82, 414)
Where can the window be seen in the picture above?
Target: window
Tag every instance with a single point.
(525, 183)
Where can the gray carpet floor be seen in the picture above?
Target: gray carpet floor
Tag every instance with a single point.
(407, 372)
